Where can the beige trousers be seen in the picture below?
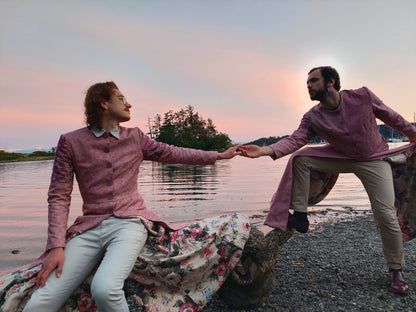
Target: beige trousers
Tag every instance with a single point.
(376, 177)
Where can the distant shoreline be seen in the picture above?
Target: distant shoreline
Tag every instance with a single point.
(19, 157)
(25, 159)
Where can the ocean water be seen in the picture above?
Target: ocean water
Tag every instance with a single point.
(178, 193)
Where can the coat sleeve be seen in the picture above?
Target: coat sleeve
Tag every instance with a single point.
(59, 195)
(295, 141)
(390, 117)
(162, 152)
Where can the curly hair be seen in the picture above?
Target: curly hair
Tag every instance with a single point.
(96, 94)
(329, 73)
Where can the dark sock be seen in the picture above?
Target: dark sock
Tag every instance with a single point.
(300, 216)
(393, 270)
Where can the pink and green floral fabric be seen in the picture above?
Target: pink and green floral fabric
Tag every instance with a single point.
(404, 179)
(176, 271)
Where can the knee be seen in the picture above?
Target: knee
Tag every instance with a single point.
(387, 221)
(104, 291)
(298, 160)
(301, 162)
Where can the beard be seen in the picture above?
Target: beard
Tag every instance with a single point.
(319, 95)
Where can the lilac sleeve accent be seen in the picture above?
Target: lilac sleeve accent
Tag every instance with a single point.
(390, 117)
(295, 141)
(162, 152)
(59, 195)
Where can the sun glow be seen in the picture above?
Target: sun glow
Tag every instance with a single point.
(326, 60)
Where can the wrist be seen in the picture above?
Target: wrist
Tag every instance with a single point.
(267, 151)
(55, 249)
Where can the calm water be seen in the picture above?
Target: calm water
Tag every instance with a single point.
(175, 192)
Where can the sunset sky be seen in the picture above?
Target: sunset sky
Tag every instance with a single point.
(241, 63)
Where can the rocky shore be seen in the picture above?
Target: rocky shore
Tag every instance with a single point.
(338, 267)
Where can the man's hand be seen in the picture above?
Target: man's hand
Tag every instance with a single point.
(54, 259)
(413, 139)
(229, 153)
(254, 151)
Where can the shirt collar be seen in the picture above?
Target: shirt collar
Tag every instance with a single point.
(99, 132)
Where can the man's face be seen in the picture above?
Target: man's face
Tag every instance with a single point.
(316, 86)
(118, 108)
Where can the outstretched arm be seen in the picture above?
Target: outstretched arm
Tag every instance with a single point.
(254, 151)
(392, 118)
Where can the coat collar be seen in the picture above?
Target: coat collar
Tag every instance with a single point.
(99, 132)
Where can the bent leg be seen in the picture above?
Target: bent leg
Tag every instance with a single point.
(125, 239)
(81, 256)
(302, 166)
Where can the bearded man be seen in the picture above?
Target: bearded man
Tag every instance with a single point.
(346, 120)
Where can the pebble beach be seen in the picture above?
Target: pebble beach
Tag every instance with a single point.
(335, 267)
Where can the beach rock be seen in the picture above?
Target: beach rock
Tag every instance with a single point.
(356, 280)
(254, 278)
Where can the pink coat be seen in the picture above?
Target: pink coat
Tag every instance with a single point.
(106, 169)
(351, 132)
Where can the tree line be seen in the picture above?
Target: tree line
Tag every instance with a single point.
(186, 128)
(36, 155)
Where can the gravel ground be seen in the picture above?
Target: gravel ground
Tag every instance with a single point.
(339, 267)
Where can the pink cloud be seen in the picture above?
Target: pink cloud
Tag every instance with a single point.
(222, 60)
(13, 116)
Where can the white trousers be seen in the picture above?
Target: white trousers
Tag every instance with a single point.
(377, 178)
(116, 243)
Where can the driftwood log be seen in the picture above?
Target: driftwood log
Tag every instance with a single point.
(253, 279)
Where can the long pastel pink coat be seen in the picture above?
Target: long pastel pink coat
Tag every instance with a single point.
(106, 169)
(351, 132)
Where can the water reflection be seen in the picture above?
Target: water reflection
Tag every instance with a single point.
(178, 193)
(181, 182)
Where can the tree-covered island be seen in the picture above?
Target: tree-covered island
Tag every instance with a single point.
(186, 128)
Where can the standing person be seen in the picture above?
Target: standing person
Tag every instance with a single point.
(105, 159)
(347, 121)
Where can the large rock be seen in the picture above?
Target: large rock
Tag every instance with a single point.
(253, 279)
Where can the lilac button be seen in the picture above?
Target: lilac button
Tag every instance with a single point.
(105, 135)
(109, 165)
(109, 183)
(106, 150)
(110, 196)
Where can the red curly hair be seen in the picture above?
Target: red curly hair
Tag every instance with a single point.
(97, 94)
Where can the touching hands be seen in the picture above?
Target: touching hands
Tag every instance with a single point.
(54, 259)
(254, 151)
(229, 153)
(251, 151)
(413, 139)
